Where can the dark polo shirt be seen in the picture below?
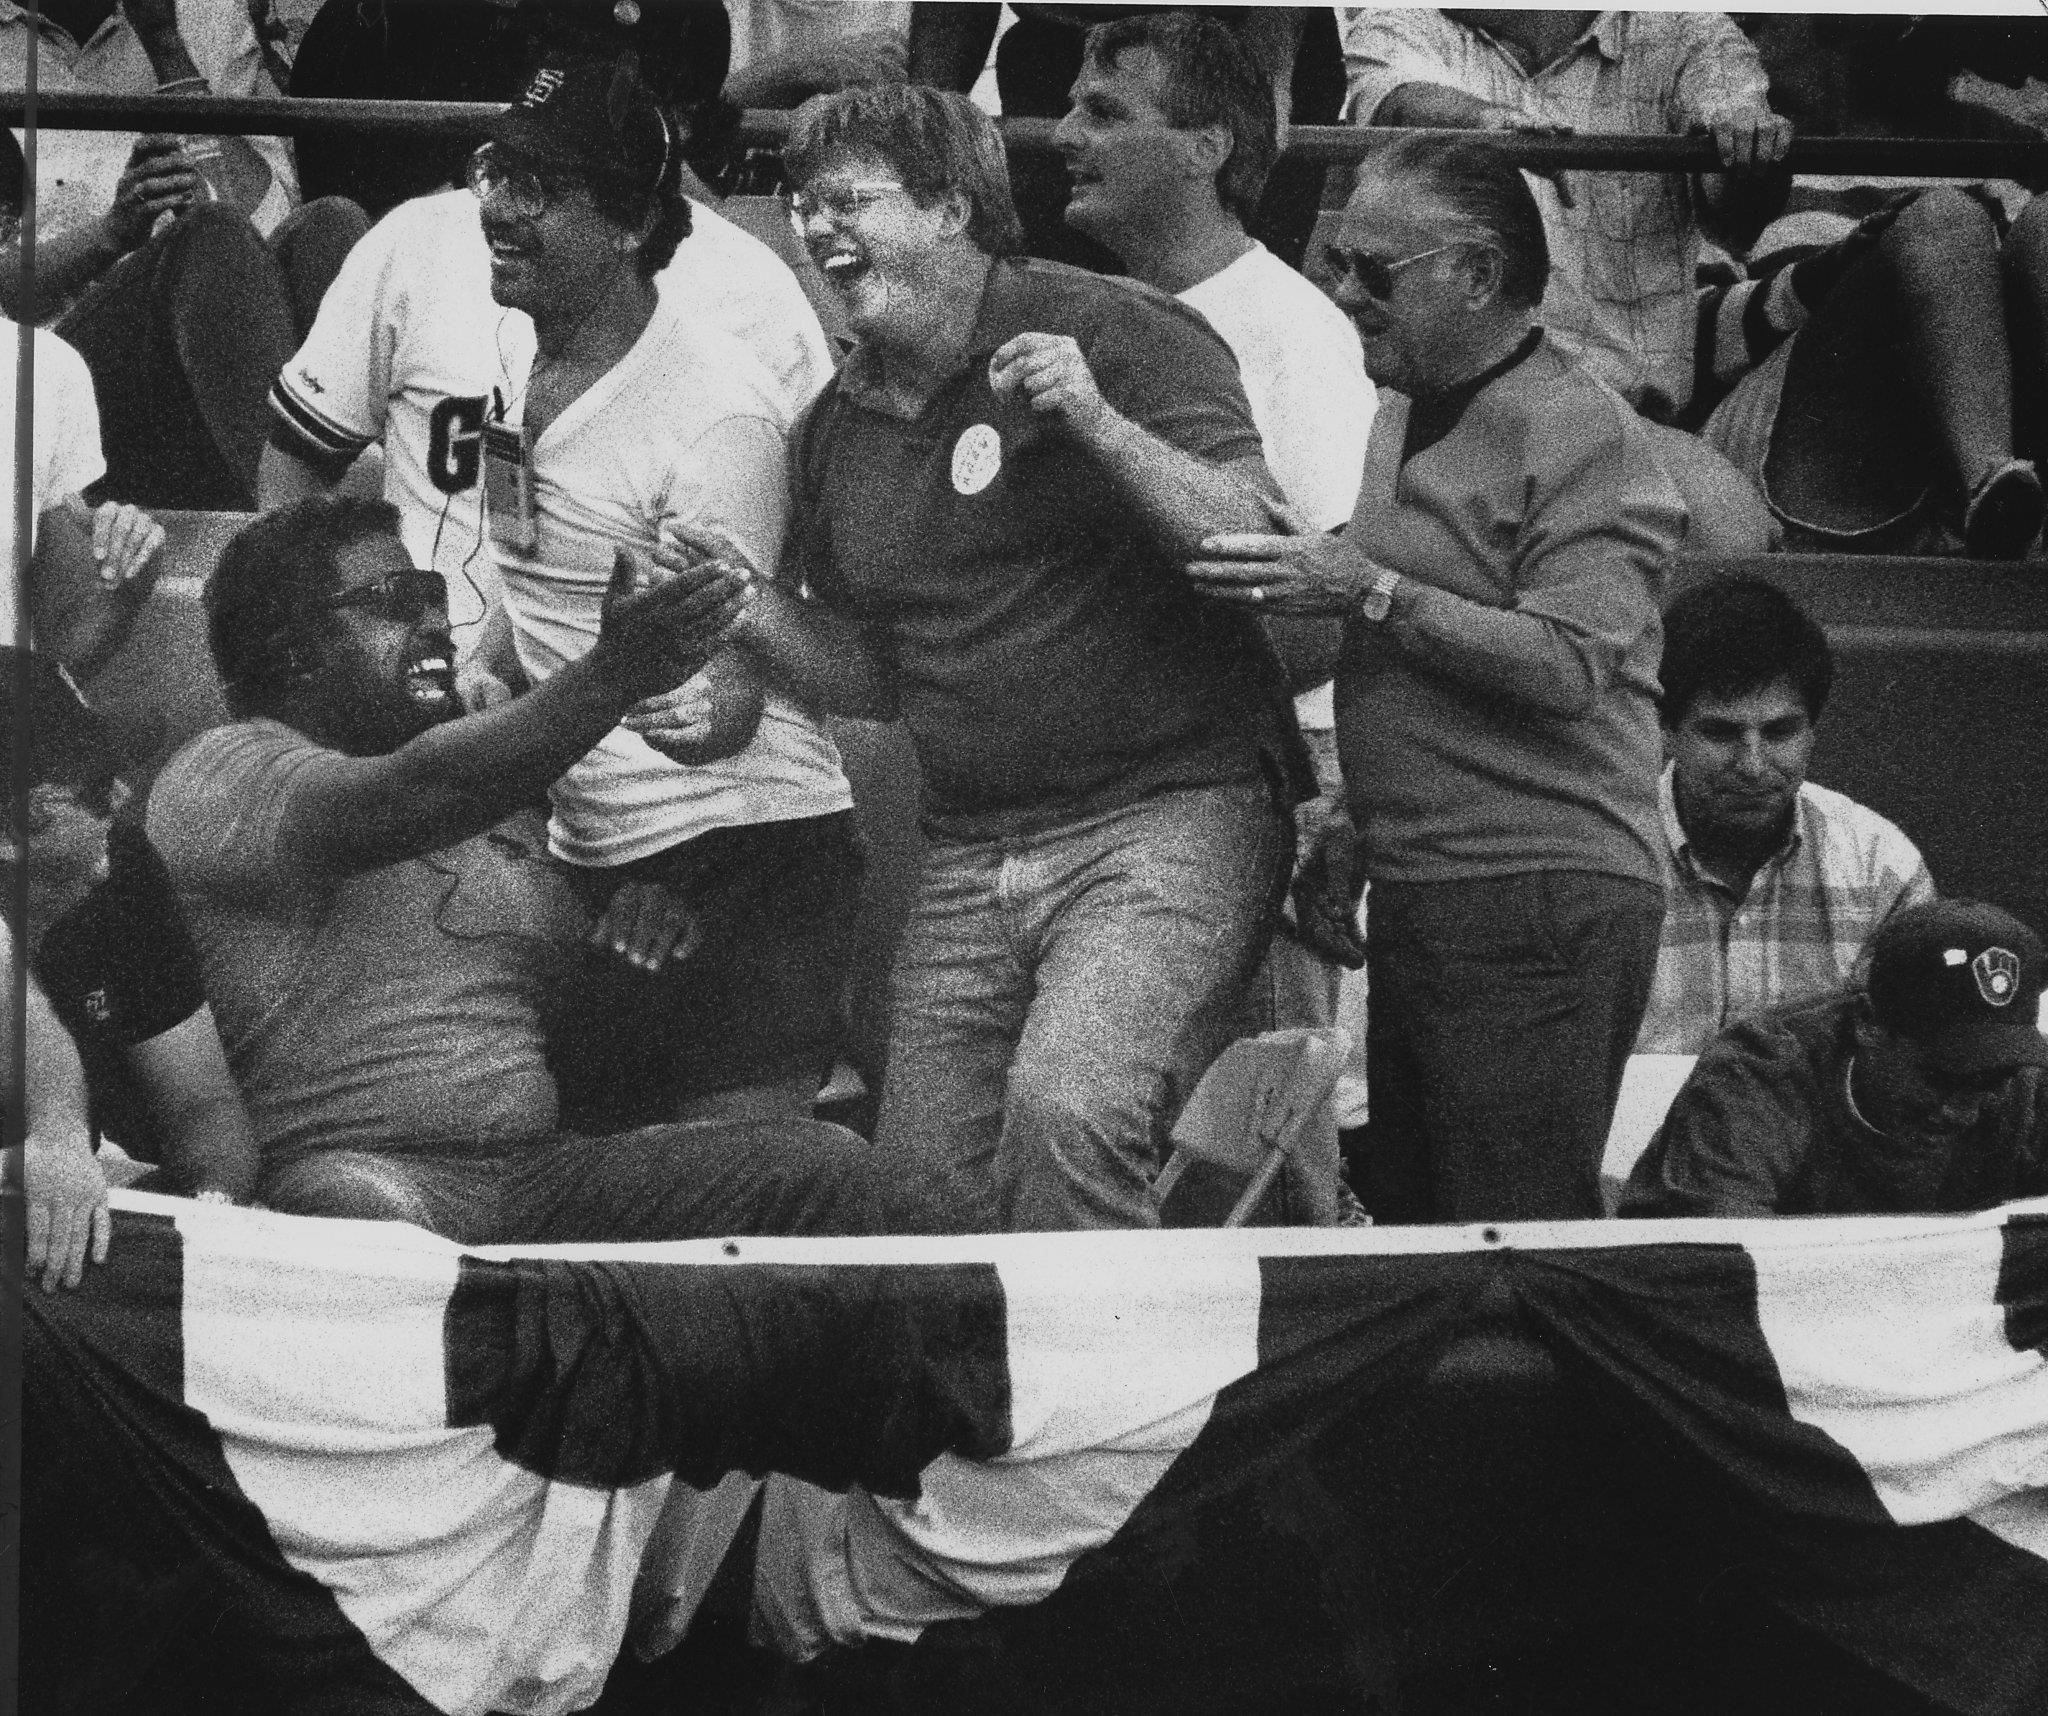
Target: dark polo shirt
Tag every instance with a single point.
(1053, 663)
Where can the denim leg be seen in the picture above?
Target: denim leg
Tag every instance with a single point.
(959, 991)
(1503, 1012)
(1148, 925)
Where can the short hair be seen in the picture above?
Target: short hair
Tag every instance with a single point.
(1208, 79)
(271, 579)
(68, 742)
(936, 141)
(1730, 635)
(1486, 191)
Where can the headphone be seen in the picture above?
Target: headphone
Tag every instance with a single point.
(626, 82)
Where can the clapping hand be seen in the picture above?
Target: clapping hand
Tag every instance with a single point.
(666, 614)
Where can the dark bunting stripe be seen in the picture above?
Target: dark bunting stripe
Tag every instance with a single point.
(1669, 1340)
(2023, 1282)
(136, 1538)
(606, 1374)
(1218, 1594)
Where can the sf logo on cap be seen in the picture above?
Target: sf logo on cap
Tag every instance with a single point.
(545, 82)
(1998, 976)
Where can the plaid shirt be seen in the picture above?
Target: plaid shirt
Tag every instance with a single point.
(1799, 931)
(1621, 292)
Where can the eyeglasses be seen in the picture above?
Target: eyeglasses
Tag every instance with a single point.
(1375, 275)
(527, 190)
(837, 203)
(407, 597)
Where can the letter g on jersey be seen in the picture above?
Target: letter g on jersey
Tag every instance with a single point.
(455, 430)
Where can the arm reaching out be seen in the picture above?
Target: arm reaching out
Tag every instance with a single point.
(462, 777)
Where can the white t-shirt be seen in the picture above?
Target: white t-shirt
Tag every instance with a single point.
(67, 440)
(687, 428)
(1304, 372)
(410, 348)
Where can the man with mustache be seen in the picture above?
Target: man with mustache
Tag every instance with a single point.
(382, 934)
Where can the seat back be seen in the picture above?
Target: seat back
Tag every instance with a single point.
(1263, 1118)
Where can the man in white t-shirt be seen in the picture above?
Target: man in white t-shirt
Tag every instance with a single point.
(1168, 144)
(710, 832)
(89, 568)
(410, 350)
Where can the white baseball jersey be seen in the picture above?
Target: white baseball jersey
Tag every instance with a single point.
(410, 349)
(687, 428)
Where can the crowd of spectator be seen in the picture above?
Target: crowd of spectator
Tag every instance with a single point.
(1282, 591)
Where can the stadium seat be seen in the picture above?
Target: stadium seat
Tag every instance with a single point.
(1258, 1138)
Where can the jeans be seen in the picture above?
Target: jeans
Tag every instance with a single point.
(705, 1181)
(1503, 1013)
(1057, 995)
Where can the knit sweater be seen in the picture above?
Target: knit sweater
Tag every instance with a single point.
(1503, 719)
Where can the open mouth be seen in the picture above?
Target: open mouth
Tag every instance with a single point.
(431, 680)
(841, 266)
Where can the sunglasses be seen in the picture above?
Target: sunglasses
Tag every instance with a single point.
(527, 191)
(839, 204)
(1375, 275)
(407, 597)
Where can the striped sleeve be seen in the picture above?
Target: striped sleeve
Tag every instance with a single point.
(331, 397)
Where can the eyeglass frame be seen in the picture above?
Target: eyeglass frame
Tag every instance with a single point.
(378, 594)
(803, 206)
(1348, 262)
(530, 189)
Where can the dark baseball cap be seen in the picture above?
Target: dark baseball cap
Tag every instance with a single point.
(1963, 980)
(591, 117)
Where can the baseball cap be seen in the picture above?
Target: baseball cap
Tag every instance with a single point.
(684, 46)
(593, 117)
(1963, 980)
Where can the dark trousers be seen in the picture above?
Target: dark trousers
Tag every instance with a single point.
(1503, 1012)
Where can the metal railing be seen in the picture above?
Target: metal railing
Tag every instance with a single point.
(1902, 157)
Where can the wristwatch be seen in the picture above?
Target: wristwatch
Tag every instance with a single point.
(1378, 600)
